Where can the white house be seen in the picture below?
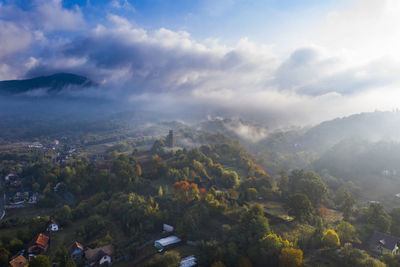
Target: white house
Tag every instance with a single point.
(99, 255)
(53, 226)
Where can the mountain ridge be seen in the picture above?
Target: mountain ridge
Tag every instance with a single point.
(51, 84)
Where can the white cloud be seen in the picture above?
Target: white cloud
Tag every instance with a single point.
(349, 64)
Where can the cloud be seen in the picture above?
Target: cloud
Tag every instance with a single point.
(339, 69)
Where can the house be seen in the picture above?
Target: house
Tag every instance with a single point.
(162, 243)
(39, 244)
(188, 261)
(76, 250)
(380, 243)
(19, 261)
(53, 226)
(10, 176)
(99, 256)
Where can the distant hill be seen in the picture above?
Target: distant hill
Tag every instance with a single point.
(372, 126)
(45, 85)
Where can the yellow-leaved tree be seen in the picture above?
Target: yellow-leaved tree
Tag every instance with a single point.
(291, 257)
(330, 239)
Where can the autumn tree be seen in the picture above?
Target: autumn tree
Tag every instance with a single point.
(291, 257)
(330, 239)
(185, 191)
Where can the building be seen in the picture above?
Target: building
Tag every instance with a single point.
(170, 142)
(19, 261)
(99, 255)
(168, 228)
(380, 243)
(162, 243)
(53, 226)
(39, 244)
(76, 250)
(188, 261)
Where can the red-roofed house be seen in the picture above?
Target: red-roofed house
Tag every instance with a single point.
(39, 244)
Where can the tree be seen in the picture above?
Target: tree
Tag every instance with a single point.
(186, 192)
(40, 261)
(229, 179)
(331, 239)
(168, 259)
(64, 258)
(313, 187)
(378, 217)
(283, 183)
(245, 262)
(253, 225)
(395, 214)
(218, 264)
(266, 252)
(160, 191)
(346, 231)
(299, 206)
(251, 194)
(347, 205)
(291, 257)
(4, 255)
(63, 214)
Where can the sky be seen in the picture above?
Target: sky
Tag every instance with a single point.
(283, 62)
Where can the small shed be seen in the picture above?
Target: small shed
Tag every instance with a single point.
(164, 242)
(168, 228)
(188, 261)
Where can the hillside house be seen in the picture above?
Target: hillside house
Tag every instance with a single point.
(19, 261)
(39, 244)
(99, 256)
(76, 250)
(53, 226)
(162, 243)
(380, 243)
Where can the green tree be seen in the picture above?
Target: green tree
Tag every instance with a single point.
(251, 194)
(40, 261)
(346, 231)
(229, 179)
(64, 258)
(378, 217)
(168, 259)
(283, 183)
(347, 205)
(313, 187)
(395, 214)
(63, 214)
(299, 206)
(4, 255)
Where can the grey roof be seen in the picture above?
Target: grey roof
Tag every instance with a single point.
(168, 240)
(386, 241)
